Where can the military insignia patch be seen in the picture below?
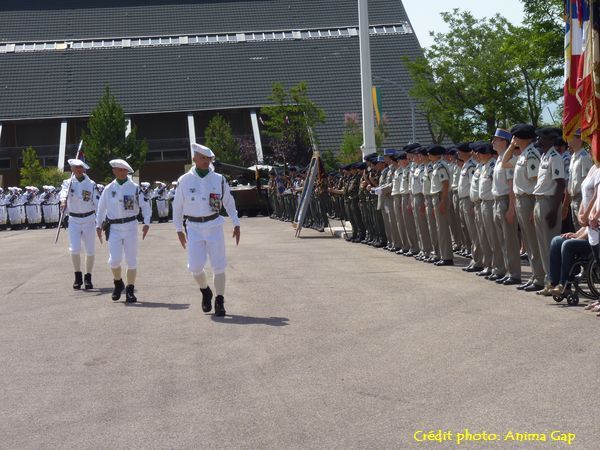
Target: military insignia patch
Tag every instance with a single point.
(192, 190)
(86, 196)
(114, 193)
(556, 172)
(532, 166)
(128, 202)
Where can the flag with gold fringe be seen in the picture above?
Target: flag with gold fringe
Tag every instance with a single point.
(576, 18)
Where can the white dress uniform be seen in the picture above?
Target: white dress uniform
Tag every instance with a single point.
(33, 208)
(81, 206)
(199, 199)
(161, 194)
(3, 209)
(50, 206)
(12, 208)
(120, 205)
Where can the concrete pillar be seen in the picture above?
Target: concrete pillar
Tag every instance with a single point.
(62, 146)
(191, 130)
(365, 78)
(0, 131)
(257, 141)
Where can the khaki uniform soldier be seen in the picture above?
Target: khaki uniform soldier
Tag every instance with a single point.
(526, 170)
(200, 195)
(455, 225)
(440, 190)
(416, 188)
(408, 214)
(385, 192)
(430, 209)
(375, 181)
(549, 192)
(487, 157)
(397, 204)
(479, 224)
(505, 217)
(119, 204)
(467, 207)
(581, 163)
(77, 195)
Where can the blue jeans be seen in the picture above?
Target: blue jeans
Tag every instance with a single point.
(562, 257)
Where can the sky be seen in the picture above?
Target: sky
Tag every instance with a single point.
(424, 15)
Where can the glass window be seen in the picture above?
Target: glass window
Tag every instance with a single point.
(50, 161)
(176, 155)
(154, 156)
(5, 164)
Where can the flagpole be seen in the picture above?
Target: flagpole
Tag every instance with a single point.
(64, 209)
(365, 79)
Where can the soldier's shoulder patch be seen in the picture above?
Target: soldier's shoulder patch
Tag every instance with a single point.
(532, 166)
(556, 172)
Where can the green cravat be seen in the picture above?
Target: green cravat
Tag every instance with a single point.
(202, 172)
(122, 181)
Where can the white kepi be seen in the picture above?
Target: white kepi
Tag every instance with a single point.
(121, 164)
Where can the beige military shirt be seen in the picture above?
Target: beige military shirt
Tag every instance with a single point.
(552, 168)
(502, 176)
(474, 188)
(465, 177)
(486, 179)
(439, 175)
(526, 171)
(581, 163)
(416, 179)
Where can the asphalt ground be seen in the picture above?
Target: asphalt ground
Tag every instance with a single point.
(326, 344)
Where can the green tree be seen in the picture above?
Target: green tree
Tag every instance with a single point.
(466, 85)
(288, 120)
(218, 136)
(32, 172)
(53, 176)
(353, 139)
(106, 139)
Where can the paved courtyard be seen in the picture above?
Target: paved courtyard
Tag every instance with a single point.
(326, 345)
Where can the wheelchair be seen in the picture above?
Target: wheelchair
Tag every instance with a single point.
(583, 280)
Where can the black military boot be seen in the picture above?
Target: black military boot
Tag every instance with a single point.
(88, 281)
(78, 281)
(206, 298)
(219, 307)
(119, 286)
(129, 297)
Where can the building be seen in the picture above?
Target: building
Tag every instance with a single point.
(172, 64)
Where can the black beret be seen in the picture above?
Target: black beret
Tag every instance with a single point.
(412, 148)
(549, 132)
(400, 155)
(422, 150)
(370, 156)
(483, 147)
(523, 131)
(451, 151)
(560, 142)
(464, 147)
(293, 169)
(435, 150)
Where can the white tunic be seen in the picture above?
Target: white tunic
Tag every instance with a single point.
(121, 201)
(81, 199)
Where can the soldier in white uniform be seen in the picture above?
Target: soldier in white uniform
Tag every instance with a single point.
(161, 195)
(33, 210)
(549, 191)
(200, 195)
(505, 217)
(119, 204)
(12, 208)
(3, 210)
(440, 191)
(581, 163)
(78, 197)
(50, 206)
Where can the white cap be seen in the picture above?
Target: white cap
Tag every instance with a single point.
(121, 164)
(173, 183)
(197, 148)
(78, 162)
(145, 184)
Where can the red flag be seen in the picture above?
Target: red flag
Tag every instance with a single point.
(575, 17)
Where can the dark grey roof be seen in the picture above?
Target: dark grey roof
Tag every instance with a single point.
(47, 20)
(211, 77)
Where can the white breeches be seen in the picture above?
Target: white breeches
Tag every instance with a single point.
(15, 216)
(162, 208)
(206, 243)
(85, 232)
(123, 241)
(3, 215)
(34, 213)
(51, 213)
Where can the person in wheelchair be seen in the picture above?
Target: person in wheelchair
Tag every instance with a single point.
(567, 248)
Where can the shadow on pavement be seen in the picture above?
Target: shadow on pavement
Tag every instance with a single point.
(172, 306)
(246, 320)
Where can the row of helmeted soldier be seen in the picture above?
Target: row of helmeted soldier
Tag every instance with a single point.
(492, 202)
(31, 207)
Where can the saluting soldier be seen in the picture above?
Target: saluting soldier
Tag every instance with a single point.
(418, 206)
(505, 217)
(467, 207)
(549, 191)
(119, 204)
(525, 176)
(201, 193)
(77, 196)
(581, 163)
(408, 215)
(440, 190)
(480, 148)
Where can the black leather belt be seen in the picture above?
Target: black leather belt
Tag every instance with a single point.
(87, 214)
(125, 220)
(201, 219)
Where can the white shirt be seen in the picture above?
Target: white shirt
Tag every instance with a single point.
(552, 168)
(193, 197)
(121, 201)
(502, 176)
(526, 171)
(82, 198)
(465, 177)
(581, 163)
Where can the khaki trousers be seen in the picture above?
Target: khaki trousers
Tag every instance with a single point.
(525, 206)
(443, 227)
(508, 236)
